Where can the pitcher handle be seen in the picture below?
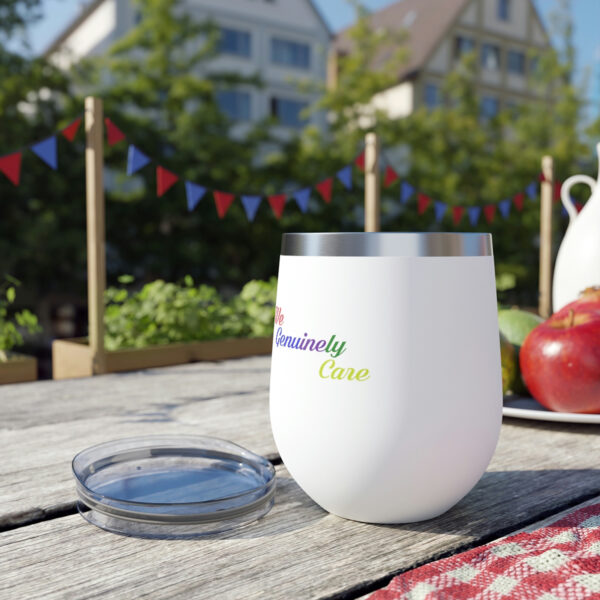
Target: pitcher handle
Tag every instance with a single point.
(565, 196)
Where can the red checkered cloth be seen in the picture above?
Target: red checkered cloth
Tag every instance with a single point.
(561, 561)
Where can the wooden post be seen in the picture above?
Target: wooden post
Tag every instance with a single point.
(96, 251)
(546, 199)
(372, 182)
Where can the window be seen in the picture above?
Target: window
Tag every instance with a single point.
(516, 62)
(235, 42)
(290, 54)
(288, 112)
(504, 10)
(490, 57)
(432, 95)
(489, 107)
(463, 45)
(234, 104)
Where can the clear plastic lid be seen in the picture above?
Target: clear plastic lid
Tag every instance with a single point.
(172, 486)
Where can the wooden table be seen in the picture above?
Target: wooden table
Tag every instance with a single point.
(297, 551)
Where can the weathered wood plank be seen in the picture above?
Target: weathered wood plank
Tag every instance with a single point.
(123, 394)
(297, 551)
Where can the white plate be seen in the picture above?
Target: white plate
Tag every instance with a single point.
(528, 408)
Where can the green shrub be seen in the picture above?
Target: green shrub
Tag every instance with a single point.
(11, 328)
(166, 313)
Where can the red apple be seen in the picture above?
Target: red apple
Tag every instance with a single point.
(590, 295)
(560, 359)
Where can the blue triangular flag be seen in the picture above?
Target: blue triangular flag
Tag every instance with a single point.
(46, 150)
(440, 210)
(406, 191)
(136, 159)
(345, 176)
(251, 204)
(302, 197)
(504, 207)
(193, 193)
(531, 190)
(563, 211)
(474, 212)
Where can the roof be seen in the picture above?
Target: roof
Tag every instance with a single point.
(86, 11)
(92, 5)
(425, 21)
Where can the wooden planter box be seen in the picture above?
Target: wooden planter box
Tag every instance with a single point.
(73, 357)
(18, 368)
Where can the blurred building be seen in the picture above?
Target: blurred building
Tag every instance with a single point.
(504, 35)
(283, 41)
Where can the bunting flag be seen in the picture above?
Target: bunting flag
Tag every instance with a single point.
(541, 177)
(406, 191)
(46, 150)
(440, 210)
(504, 208)
(422, 203)
(345, 177)
(557, 188)
(531, 190)
(223, 201)
(457, 214)
(164, 180)
(359, 161)
(193, 193)
(518, 201)
(251, 204)
(302, 197)
(489, 210)
(10, 165)
(324, 188)
(390, 176)
(113, 134)
(474, 213)
(70, 131)
(277, 204)
(136, 159)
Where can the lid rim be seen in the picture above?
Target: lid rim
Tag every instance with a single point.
(387, 244)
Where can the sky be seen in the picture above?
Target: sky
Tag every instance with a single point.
(339, 14)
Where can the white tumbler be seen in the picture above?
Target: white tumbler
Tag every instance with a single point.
(386, 385)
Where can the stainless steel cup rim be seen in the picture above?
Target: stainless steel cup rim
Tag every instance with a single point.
(387, 244)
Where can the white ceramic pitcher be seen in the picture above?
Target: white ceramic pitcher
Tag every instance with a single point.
(578, 260)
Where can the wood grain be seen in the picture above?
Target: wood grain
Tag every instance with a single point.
(296, 551)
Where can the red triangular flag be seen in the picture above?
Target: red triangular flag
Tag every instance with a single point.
(324, 188)
(578, 206)
(10, 165)
(164, 180)
(518, 200)
(557, 188)
(422, 203)
(277, 204)
(359, 161)
(489, 211)
(113, 133)
(457, 213)
(390, 176)
(70, 131)
(223, 202)
(541, 177)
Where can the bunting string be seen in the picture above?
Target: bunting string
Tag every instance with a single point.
(47, 151)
